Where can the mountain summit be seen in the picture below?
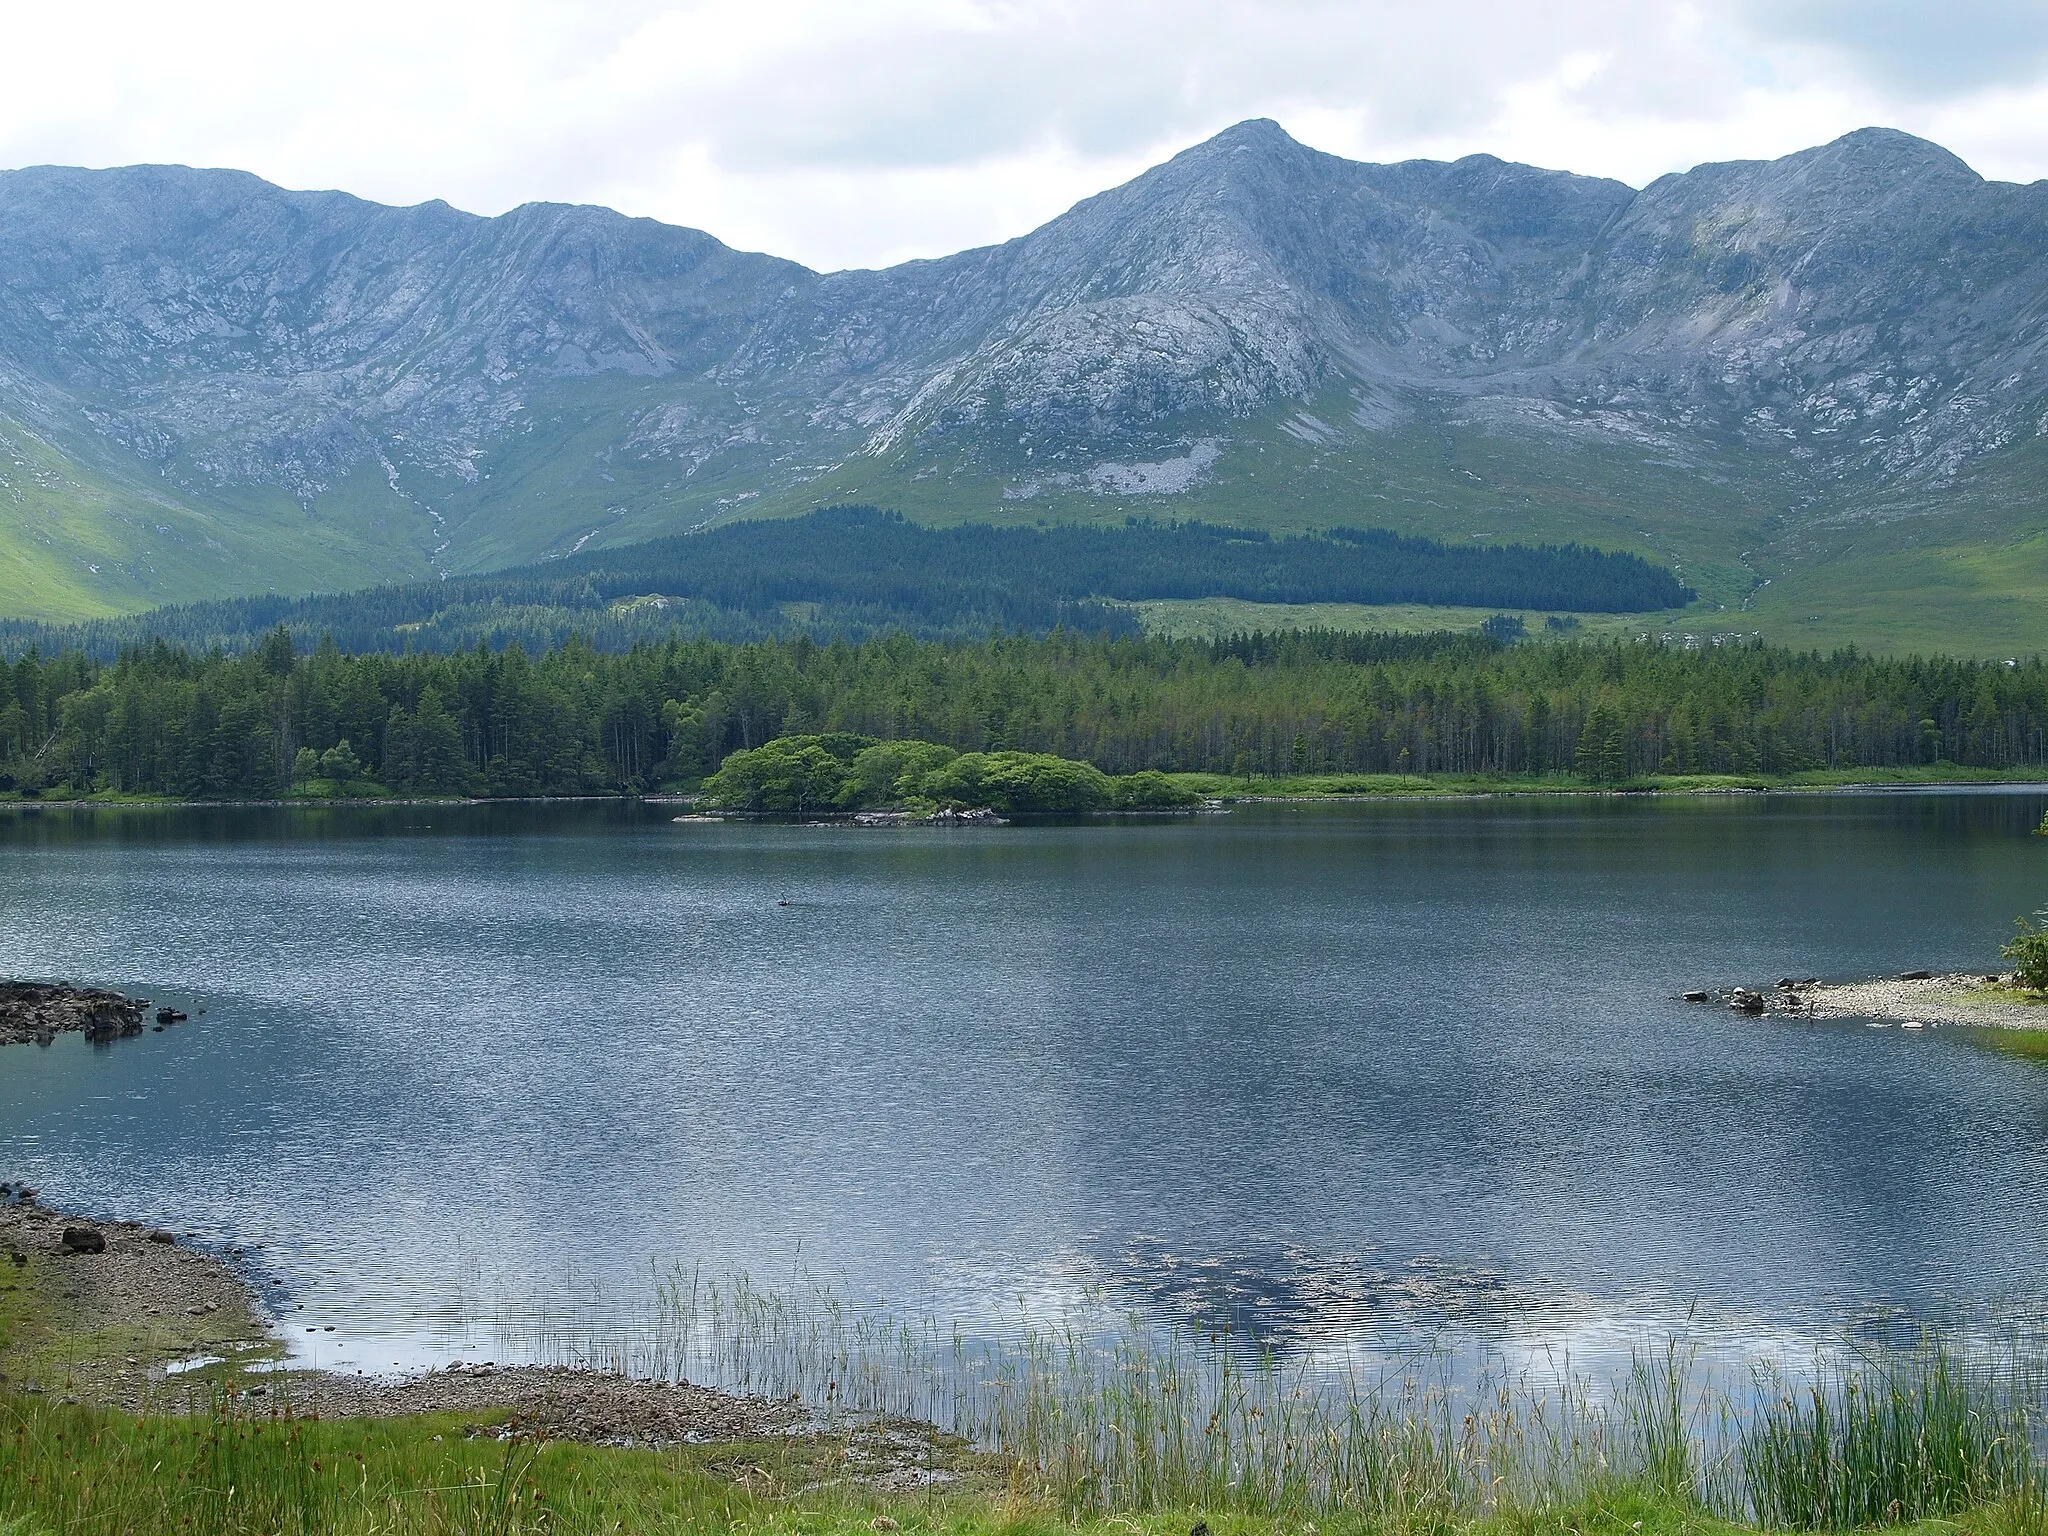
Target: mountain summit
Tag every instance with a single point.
(210, 384)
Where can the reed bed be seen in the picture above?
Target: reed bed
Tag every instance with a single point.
(1881, 1441)
(1117, 1415)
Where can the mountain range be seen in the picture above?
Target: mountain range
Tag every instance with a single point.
(1816, 387)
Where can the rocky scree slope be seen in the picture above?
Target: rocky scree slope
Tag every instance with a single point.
(209, 384)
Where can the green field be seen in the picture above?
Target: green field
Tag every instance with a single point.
(1208, 618)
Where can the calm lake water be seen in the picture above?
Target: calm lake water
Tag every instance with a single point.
(1383, 1072)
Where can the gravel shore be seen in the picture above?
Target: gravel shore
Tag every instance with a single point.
(1969, 999)
(122, 1316)
(1964, 998)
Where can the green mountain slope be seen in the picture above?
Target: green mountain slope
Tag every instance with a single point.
(1814, 386)
(79, 540)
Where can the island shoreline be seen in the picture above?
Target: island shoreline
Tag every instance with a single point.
(1503, 791)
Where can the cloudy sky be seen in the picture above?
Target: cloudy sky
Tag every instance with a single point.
(859, 132)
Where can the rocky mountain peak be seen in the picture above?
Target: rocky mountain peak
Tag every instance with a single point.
(1868, 308)
(1882, 152)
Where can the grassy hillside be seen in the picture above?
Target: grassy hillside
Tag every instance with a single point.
(1213, 618)
(87, 536)
(1963, 568)
(852, 571)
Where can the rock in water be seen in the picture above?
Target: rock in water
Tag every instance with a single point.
(39, 1011)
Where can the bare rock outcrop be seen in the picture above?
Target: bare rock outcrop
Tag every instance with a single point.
(37, 1012)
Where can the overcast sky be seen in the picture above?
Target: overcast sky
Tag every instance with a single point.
(860, 132)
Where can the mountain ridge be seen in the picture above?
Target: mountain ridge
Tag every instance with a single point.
(1752, 370)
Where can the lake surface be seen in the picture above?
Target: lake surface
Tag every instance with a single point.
(1384, 1072)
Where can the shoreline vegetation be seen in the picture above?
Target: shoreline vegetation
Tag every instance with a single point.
(1297, 712)
(847, 1421)
(1201, 788)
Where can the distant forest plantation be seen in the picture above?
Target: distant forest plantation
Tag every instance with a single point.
(857, 572)
(162, 720)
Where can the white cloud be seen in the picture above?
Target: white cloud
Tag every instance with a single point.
(859, 133)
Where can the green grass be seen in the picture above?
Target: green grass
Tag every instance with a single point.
(218, 1469)
(2026, 1044)
(72, 1470)
(1330, 785)
(69, 1469)
(2022, 1044)
(1104, 1420)
(81, 538)
(1122, 1431)
(1210, 618)
(1918, 1438)
(1982, 600)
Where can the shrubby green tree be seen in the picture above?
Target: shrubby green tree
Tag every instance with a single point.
(792, 773)
(1149, 790)
(340, 763)
(2027, 949)
(892, 771)
(1019, 781)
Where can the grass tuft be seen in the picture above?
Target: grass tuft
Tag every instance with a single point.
(1881, 1442)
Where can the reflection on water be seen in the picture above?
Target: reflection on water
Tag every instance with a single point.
(1279, 1297)
(1314, 1074)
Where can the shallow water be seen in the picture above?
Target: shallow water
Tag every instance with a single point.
(1391, 1072)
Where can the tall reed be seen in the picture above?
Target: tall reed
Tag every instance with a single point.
(1879, 1441)
(1116, 1414)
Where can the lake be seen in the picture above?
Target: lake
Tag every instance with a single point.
(472, 1078)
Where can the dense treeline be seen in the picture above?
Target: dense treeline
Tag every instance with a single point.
(857, 572)
(161, 720)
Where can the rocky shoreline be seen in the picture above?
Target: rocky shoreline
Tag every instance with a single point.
(129, 1317)
(1911, 1000)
